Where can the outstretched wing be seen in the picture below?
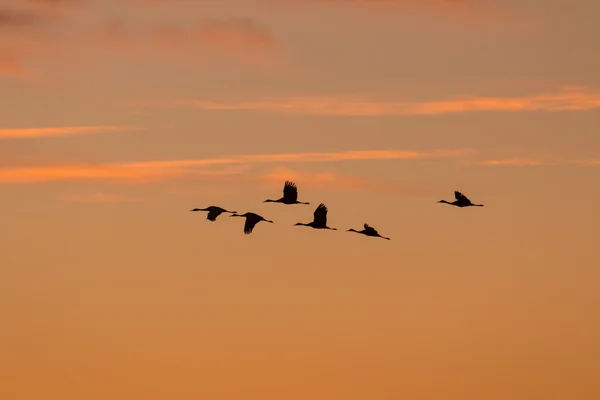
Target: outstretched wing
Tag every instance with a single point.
(461, 197)
(290, 191)
(320, 215)
(214, 213)
(251, 221)
(370, 229)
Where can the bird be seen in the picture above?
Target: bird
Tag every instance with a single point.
(290, 195)
(369, 231)
(461, 201)
(213, 212)
(319, 220)
(251, 220)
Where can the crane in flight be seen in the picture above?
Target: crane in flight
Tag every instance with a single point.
(251, 221)
(319, 219)
(213, 212)
(290, 195)
(461, 201)
(369, 231)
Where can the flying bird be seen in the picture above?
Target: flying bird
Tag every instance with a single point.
(369, 231)
(319, 220)
(213, 212)
(461, 201)
(251, 220)
(290, 195)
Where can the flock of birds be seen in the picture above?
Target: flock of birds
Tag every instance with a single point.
(290, 196)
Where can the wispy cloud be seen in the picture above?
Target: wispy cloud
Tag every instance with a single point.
(16, 18)
(473, 13)
(445, 6)
(27, 133)
(98, 197)
(534, 162)
(566, 99)
(229, 165)
(11, 65)
(32, 36)
(332, 180)
(512, 161)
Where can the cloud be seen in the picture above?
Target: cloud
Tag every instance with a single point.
(511, 161)
(174, 169)
(335, 181)
(112, 172)
(11, 65)
(39, 40)
(465, 12)
(26, 133)
(447, 6)
(98, 197)
(566, 99)
(547, 161)
(584, 162)
(16, 18)
(240, 37)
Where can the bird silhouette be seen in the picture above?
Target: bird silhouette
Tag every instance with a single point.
(461, 201)
(251, 220)
(290, 195)
(319, 220)
(369, 231)
(213, 212)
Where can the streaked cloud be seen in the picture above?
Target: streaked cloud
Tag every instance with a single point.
(27, 133)
(566, 99)
(237, 35)
(524, 162)
(512, 161)
(98, 197)
(229, 165)
(587, 162)
(38, 39)
(446, 6)
(465, 13)
(332, 180)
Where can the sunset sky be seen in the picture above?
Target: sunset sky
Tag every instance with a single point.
(119, 116)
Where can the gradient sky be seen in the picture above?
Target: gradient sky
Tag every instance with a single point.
(119, 116)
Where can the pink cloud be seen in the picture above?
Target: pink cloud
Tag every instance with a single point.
(98, 197)
(512, 161)
(331, 180)
(176, 169)
(33, 40)
(26, 133)
(566, 99)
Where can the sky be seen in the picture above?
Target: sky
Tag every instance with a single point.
(118, 117)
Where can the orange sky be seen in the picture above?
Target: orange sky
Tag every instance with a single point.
(119, 116)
